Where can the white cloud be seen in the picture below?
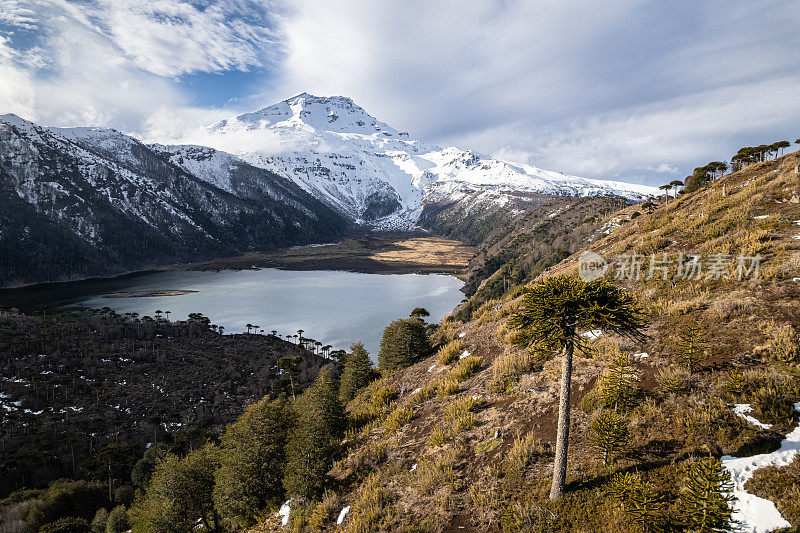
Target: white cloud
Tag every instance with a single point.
(170, 38)
(632, 89)
(111, 62)
(663, 168)
(18, 14)
(598, 89)
(14, 89)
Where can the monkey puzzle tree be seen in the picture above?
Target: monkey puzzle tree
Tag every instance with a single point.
(676, 184)
(553, 313)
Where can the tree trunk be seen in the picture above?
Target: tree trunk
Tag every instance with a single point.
(562, 438)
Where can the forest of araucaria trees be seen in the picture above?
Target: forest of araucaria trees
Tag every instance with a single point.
(85, 393)
(112, 421)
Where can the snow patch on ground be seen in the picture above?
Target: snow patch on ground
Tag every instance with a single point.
(592, 334)
(431, 367)
(754, 514)
(284, 512)
(761, 217)
(741, 409)
(342, 515)
(461, 335)
(465, 354)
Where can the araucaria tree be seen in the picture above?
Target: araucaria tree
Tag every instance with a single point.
(553, 314)
(252, 458)
(356, 373)
(178, 497)
(691, 346)
(403, 342)
(706, 496)
(609, 434)
(619, 385)
(320, 424)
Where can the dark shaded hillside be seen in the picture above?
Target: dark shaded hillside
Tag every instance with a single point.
(88, 202)
(518, 241)
(71, 385)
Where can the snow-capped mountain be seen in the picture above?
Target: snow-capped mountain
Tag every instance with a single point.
(78, 202)
(376, 175)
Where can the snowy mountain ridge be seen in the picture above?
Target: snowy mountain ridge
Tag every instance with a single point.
(78, 202)
(374, 174)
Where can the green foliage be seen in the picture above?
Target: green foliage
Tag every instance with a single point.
(398, 418)
(403, 342)
(124, 495)
(621, 485)
(465, 368)
(118, 521)
(179, 494)
(609, 434)
(419, 312)
(323, 513)
(619, 386)
(64, 498)
(639, 499)
(645, 506)
(356, 373)
(735, 383)
(68, 524)
(555, 309)
(112, 464)
(705, 499)
(772, 406)
(783, 343)
(320, 423)
(99, 521)
(252, 456)
(674, 380)
(144, 467)
(289, 365)
(691, 345)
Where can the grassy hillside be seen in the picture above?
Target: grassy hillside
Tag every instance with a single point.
(468, 444)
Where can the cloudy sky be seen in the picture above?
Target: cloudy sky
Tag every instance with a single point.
(629, 89)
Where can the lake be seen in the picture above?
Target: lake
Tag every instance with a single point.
(333, 307)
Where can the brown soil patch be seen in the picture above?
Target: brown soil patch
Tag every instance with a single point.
(383, 254)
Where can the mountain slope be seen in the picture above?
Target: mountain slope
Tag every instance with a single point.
(85, 201)
(376, 175)
(467, 443)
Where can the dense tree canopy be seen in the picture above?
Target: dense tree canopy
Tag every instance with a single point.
(320, 423)
(403, 342)
(179, 494)
(356, 373)
(252, 462)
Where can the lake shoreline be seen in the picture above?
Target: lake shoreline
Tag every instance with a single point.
(370, 254)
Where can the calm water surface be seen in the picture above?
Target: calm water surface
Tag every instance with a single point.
(333, 307)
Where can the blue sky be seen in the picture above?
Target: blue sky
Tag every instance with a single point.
(626, 89)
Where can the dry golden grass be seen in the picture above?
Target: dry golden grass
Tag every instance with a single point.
(522, 453)
(450, 352)
(398, 418)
